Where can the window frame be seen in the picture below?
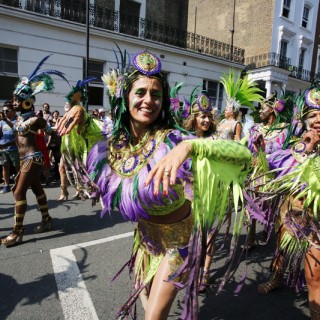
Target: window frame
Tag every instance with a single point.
(8, 77)
(286, 7)
(305, 19)
(216, 101)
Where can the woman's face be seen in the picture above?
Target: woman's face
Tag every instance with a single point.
(145, 101)
(56, 115)
(265, 112)
(228, 112)
(312, 120)
(203, 121)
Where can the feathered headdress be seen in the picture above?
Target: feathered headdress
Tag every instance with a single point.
(309, 99)
(78, 93)
(38, 81)
(199, 101)
(240, 91)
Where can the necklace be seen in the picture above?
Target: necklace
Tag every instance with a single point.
(127, 160)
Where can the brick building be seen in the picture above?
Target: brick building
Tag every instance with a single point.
(280, 37)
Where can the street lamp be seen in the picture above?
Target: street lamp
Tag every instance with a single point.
(86, 71)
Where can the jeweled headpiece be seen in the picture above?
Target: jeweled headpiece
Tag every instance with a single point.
(38, 81)
(118, 82)
(146, 63)
(312, 98)
(203, 102)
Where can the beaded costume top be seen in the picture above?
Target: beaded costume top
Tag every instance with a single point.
(120, 171)
(273, 138)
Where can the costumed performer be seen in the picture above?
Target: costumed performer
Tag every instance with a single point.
(136, 172)
(297, 225)
(239, 92)
(273, 133)
(31, 159)
(76, 97)
(199, 118)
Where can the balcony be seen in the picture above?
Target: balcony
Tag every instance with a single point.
(148, 29)
(276, 60)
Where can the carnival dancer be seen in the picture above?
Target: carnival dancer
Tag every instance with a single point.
(297, 225)
(136, 172)
(77, 96)
(31, 159)
(239, 92)
(198, 117)
(271, 135)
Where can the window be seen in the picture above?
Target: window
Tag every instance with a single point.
(283, 49)
(8, 72)
(305, 17)
(129, 17)
(301, 58)
(95, 88)
(215, 92)
(286, 8)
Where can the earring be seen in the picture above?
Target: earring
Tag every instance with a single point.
(26, 104)
(163, 115)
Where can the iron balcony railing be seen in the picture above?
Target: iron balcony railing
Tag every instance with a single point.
(105, 18)
(276, 60)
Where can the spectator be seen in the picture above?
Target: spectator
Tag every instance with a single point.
(102, 114)
(55, 118)
(46, 112)
(95, 113)
(43, 147)
(8, 149)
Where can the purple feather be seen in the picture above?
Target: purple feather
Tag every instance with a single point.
(39, 66)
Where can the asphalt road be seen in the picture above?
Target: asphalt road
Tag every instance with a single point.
(67, 273)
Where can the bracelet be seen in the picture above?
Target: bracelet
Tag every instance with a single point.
(300, 147)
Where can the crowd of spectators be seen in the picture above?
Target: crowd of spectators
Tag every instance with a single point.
(48, 144)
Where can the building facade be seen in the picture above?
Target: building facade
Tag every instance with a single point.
(30, 30)
(280, 37)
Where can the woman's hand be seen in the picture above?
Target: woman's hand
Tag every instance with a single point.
(311, 140)
(259, 144)
(165, 171)
(73, 117)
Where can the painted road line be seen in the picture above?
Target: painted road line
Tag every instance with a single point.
(73, 294)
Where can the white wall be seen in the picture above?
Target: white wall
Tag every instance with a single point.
(35, 36)
(291, 30)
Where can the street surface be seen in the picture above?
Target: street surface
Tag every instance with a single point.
(67, 273)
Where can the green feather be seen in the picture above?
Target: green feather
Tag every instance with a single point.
(117, 197)
(135, 187)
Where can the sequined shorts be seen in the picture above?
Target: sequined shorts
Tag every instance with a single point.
(157, 238)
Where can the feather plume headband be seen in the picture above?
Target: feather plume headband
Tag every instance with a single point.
(38, 81)
(240, 91)
(119, 81)
(199, 101)
(78, 93)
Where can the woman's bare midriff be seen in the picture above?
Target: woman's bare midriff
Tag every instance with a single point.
(174, 216)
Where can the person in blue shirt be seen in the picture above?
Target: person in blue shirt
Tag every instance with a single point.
(8, 149)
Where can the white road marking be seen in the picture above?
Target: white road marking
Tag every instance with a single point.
(74, 296)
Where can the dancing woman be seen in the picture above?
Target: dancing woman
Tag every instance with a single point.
(239, 92)
(142, 169)
(297, 223)
(31, 159)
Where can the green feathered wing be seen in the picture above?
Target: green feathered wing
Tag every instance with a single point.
(219, 166)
